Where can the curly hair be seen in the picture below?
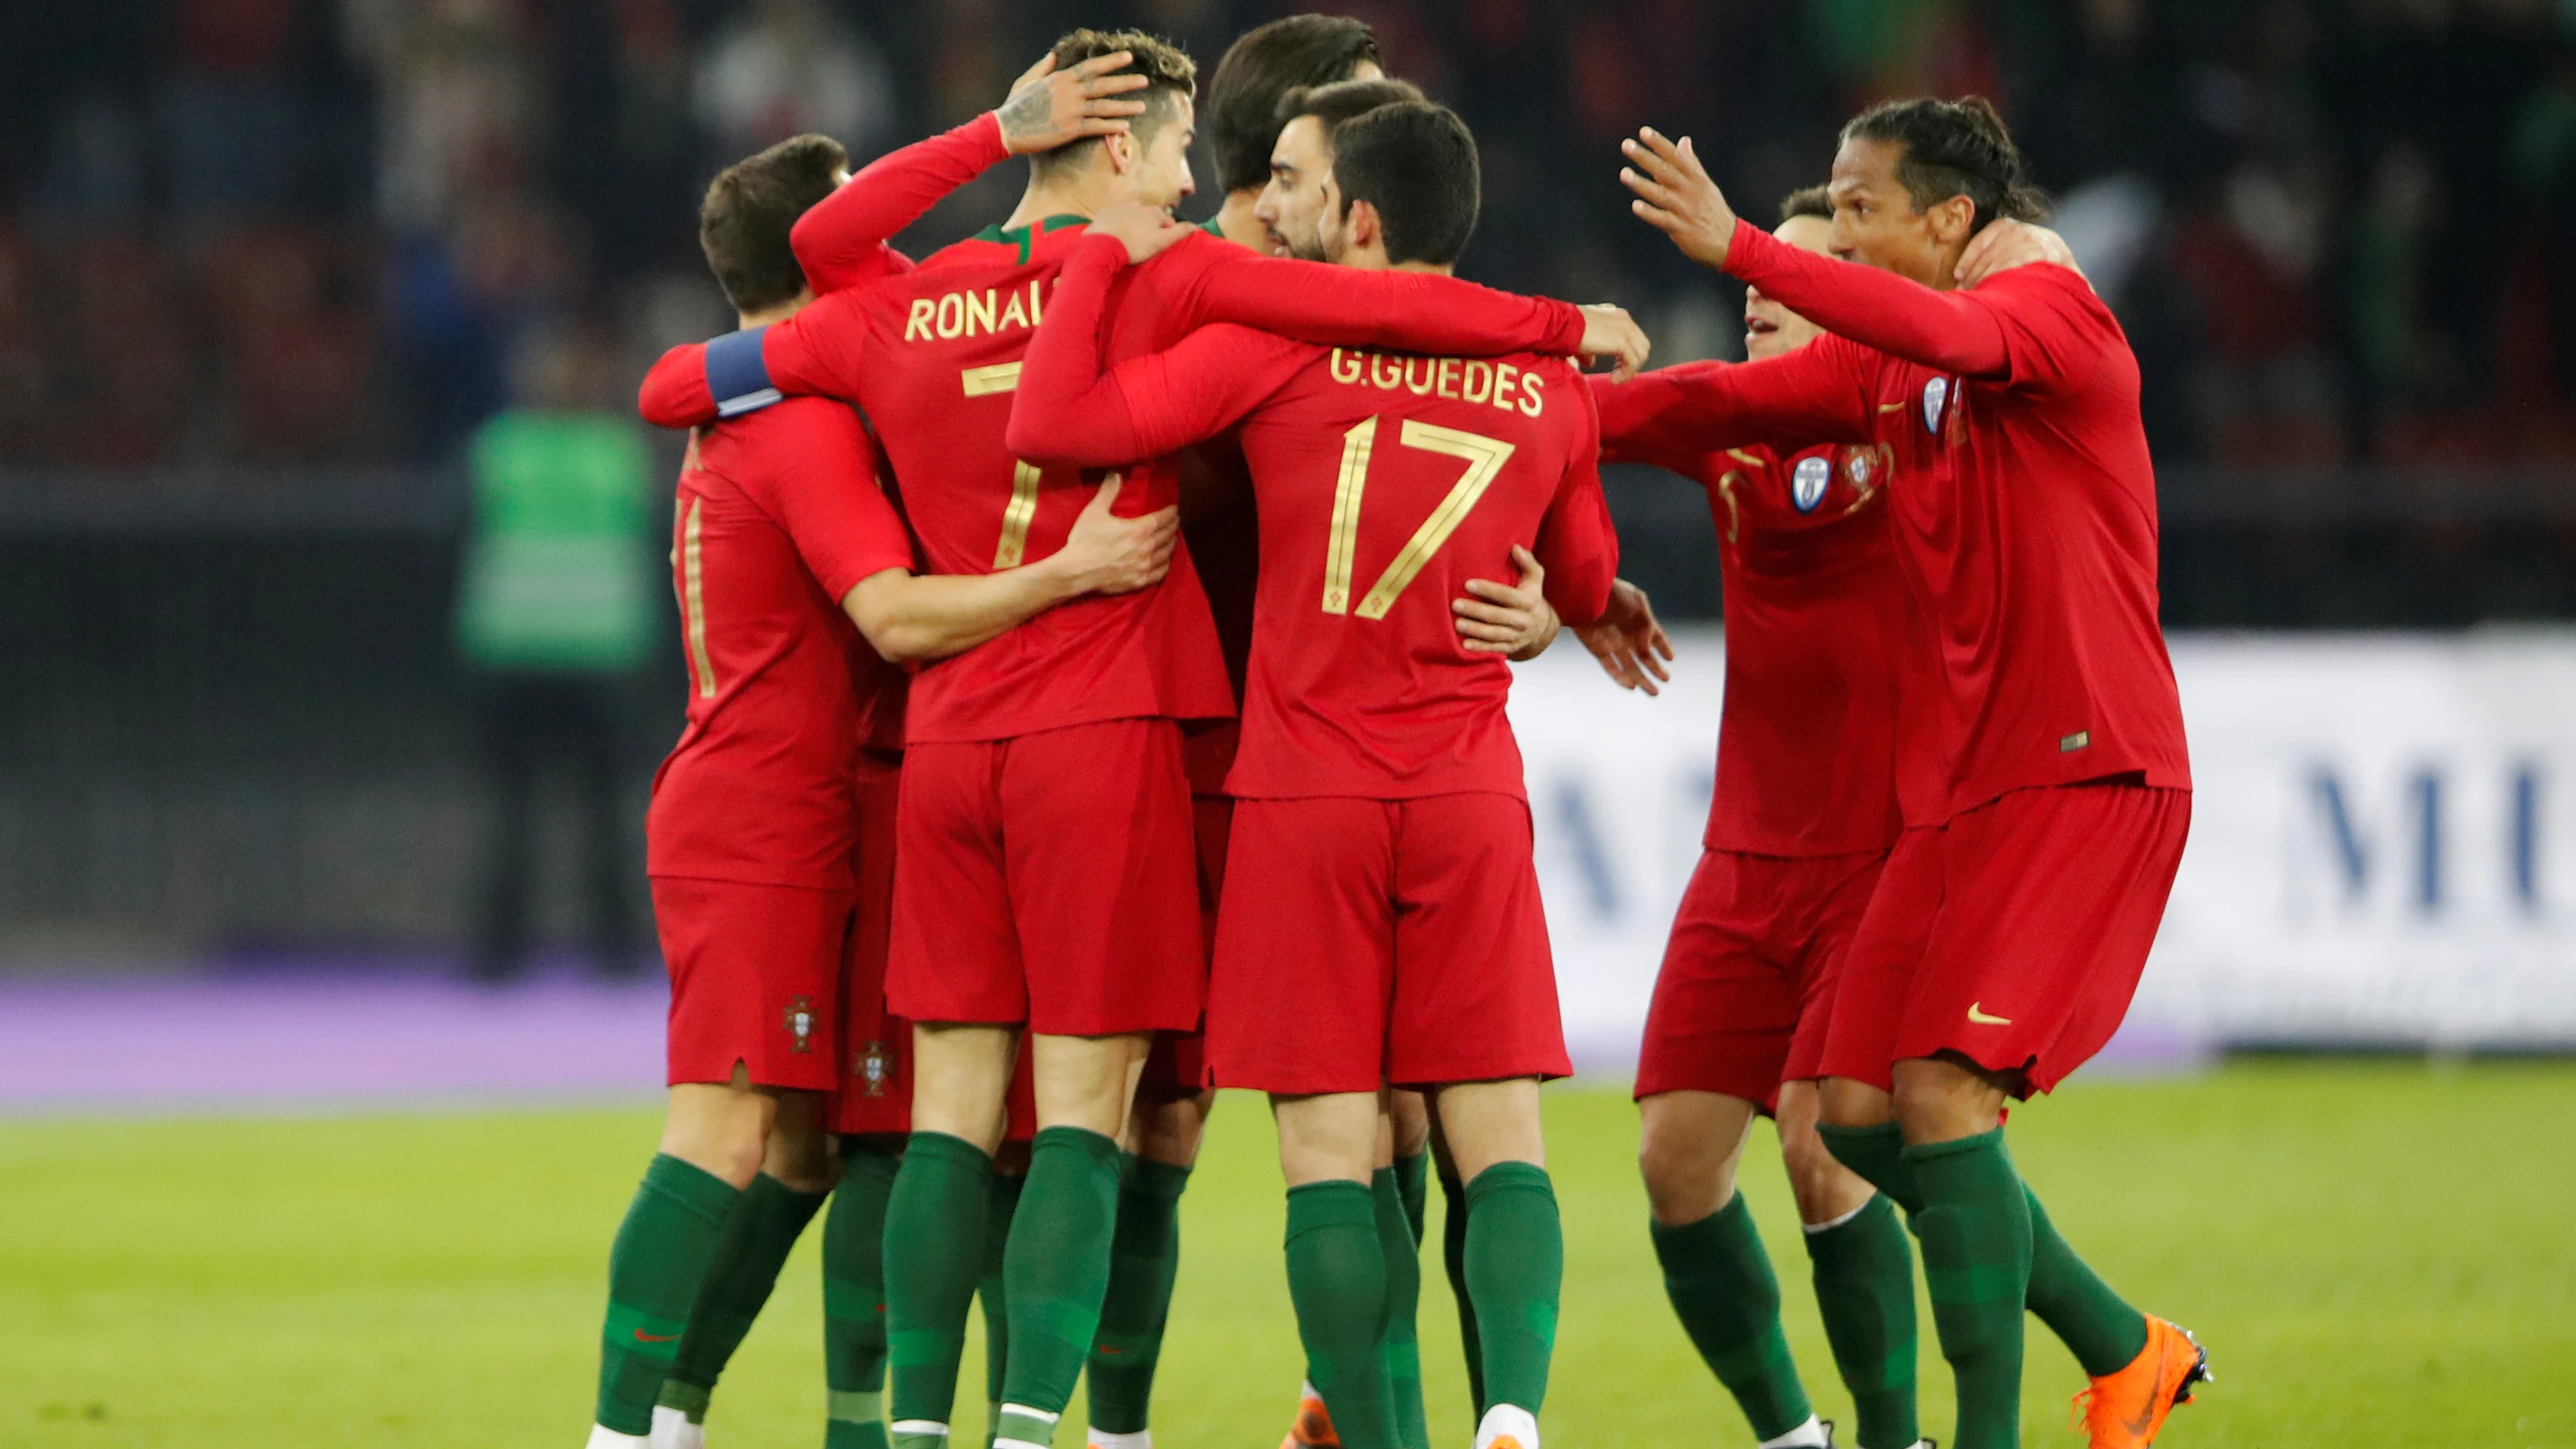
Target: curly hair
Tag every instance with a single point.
(1954, 148)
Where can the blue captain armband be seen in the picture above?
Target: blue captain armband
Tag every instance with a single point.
(737, 378)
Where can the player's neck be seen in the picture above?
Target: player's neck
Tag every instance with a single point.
(1236, 223)
(1434, 269)
(1083, 194)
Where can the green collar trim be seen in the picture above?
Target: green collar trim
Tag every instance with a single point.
(1022, 236)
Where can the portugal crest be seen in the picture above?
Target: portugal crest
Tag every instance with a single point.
(874, 1067)
(799, 1019)
(1807, 484)
(1936, 395)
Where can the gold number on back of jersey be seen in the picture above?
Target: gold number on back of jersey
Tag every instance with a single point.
(1485, 458)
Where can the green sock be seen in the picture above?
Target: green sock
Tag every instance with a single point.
(1144, 1255)
(1877, 1155)
(654, 1269)
(1728, 1299)
(758, 1235)
(1865, 1290)
(1515, 1265)
(2099, 1327)
(854, 1312)
(1975, 1226)
(1058, 1270)
(1453, 1261)
(1001, 1209)
(934, 1239)
(1337, 1279)
(1413, 1185)
(1399, 1350)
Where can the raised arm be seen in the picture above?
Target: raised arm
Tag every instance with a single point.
(1956, 332)
(1072, 408)
(843, 239)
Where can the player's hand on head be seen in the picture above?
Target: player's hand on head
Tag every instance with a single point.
(1632, 647)
(2006, 244)
(1610, 332)
(1113, 555)
(1048, 107)
(1513, 620)
(1676, 197)
(1145, 230)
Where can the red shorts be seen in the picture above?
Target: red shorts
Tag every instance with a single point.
(875, 1090)
(1177, 1066)
(755, 979)
(1747, 985)
(2049, 899)
(1879, 961)
(1048, 879)
(1368, 942)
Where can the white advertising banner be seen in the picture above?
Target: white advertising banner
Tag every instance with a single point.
(2379, 853)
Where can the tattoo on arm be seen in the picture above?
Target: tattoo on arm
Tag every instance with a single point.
(1026, 114)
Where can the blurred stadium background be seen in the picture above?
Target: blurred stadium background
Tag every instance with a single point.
(267, 265)
(276, 781)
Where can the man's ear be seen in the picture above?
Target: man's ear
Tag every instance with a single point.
(1952, 219)
(1364, 227)
(1123, 152)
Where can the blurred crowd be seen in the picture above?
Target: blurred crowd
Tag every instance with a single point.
(336, 231)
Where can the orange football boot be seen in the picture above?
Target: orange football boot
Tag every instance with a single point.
(2124, 1410)
(1314, 1426)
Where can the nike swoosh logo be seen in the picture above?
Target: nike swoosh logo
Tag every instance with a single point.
(1979, 1018)
(642, 1337)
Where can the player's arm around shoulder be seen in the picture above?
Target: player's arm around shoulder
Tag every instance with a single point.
(913, 619)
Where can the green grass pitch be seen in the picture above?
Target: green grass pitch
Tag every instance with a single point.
(2377, 1255)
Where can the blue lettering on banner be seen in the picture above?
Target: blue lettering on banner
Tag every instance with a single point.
(1591, 855)
(2525, 837)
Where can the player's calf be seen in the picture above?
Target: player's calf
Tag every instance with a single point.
(1515, 1249)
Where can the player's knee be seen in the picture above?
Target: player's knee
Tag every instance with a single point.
(1824, 1188)
(1687, 1175)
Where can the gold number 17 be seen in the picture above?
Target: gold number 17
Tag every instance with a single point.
(1485, 458)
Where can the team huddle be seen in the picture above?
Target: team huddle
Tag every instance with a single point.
(1097, 636)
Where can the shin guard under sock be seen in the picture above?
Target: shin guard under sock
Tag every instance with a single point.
(759, 1234)
(1337, 1279)
(1057, 1269)
(1144, 1256)
(934, 1250)
(1515, 1266)
(655, 1267)
(1399, 1349)
(1728, 1299)
(1864, 1275)
(1975, 1227)
(854, 1319)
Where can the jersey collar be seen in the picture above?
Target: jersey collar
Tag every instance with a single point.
(1025, 237)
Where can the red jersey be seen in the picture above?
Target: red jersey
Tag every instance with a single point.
(933, 355)
(1815, 629)
(779, 516)
(2032, 544)
(1358, 683)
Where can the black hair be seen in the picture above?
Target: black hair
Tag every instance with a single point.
(749, 209)
(1812, 201)
(1416, 163)
(1954, 148)
(1168, 70)
(1264, 64)
(1339, 102)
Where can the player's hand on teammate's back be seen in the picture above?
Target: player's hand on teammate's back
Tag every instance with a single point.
(1050, 108)
(1676, 197)
(1108, 554)
(1513, 620)
(2005, 244)
(1146, 230)
(1609, 331)
(1631, 646)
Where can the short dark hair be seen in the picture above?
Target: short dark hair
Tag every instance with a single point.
(1416, 163)
(1954, 148)
(1168, 71)
(1812, 201)
(749, 209)
(1264, 64)
(1339, 102)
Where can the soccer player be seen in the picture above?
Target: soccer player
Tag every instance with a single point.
(1804, 811)
(1383, 923)
(1044, 877)
(1515, 620)
(2032, 547)
(785, 556)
